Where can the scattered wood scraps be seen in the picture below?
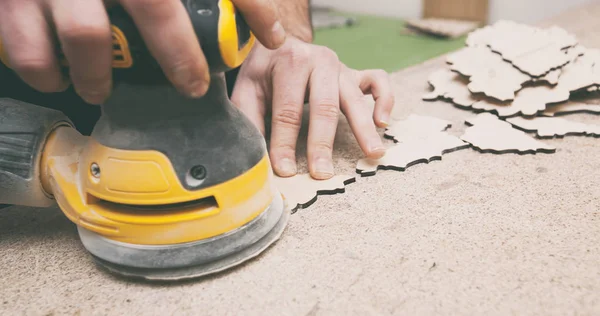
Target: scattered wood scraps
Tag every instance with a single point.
(488, 134)
(571, 108)
(301, 191)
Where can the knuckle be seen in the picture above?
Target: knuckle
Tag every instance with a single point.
(327, 109)
(25, 63)
(297, 54)
(289, 115)
(322, 147)
(327, 54)
(380, 73)
(82, 31)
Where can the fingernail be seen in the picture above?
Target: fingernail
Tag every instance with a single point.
(385, 118)
(198, 88)
(324, 168)
(278, 34)
(287, 167)
(377, 152)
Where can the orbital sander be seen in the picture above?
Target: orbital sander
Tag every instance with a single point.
(166, 187)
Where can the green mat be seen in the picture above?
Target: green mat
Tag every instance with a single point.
(382, 43)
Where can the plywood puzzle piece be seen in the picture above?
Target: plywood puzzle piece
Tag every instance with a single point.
(532, 50)
(415, 127)
(489, 134)
(549, 127)
(443, 27)
(301, 191)
(528, 102)
(489, 74)
(571, 108)
(450, 86)
(583, 73)
(411, 152)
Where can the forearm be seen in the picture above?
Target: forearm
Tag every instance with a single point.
(296, 19)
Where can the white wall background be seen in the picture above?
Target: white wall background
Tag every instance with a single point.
(527, 11)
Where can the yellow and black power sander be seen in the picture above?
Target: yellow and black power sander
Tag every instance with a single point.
(166, 187)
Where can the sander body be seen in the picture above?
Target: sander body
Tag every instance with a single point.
(166, 187)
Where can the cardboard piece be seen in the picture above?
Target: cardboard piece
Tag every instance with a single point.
(532, 50)
(528, 102)
(550, 127)
(571, 108)
(410, 152)
(301, 191)
(489, 134)
(489, 74)
(416, 127)
(583, 73)
(447, 28)
(450, 86)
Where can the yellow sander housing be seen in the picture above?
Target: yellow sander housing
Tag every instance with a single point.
(166, 187)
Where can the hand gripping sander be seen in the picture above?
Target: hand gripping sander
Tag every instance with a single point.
(166, 187)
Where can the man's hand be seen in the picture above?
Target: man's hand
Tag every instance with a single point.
(281, 79)
(28, 27)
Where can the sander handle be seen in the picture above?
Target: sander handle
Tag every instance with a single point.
(224, 35)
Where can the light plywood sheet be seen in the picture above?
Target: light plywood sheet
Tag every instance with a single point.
(550, 127)
(450, 86)
(301, 191)
(583, 73)
(448, 28)
(408, 153)
(489, 134)
(416, 127)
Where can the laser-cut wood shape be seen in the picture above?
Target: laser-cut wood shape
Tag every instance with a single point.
(550, 127)
(583, 73)
(489, 74)
(528, 102)
(571, 108)
(532, 50)
(301, 191)
(415, 127)
(450, 86)
(489, 134)
(410, 152)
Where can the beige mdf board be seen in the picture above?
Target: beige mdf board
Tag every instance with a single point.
(583, 73)
(415, 127)
(529, 101)
(447, 28)
(301, 191)
(449, 85)
(551, 127)
(470, 10)
(488, 134)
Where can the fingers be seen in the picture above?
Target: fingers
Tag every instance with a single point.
(84, 33)
(359, 117)
(290, 78)
(26, 38)
(167, 31)
(324, 114)
(378, 83)
(263, 19)
(251, 101)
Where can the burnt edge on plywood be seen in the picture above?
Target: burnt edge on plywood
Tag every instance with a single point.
(301, 206)
(555, 136)
(414, 163)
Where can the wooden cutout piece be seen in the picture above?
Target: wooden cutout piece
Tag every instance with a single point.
(443, 27)
(411, 152)
(528, 102)
(571, 108)
(491, 75)
(583, 73)
(532, 50)
(489, 134)
(450, 86)
(550, 127)
(301, 191)
(416, 127)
